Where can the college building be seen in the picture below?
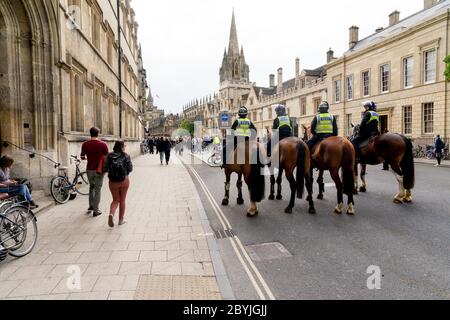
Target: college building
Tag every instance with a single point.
(68, 65)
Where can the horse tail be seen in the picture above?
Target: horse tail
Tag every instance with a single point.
(257, 181)
(348, 170)
(407, 165)
(300, 178)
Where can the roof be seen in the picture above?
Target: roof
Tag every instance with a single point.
(402, 25)
(319, 72)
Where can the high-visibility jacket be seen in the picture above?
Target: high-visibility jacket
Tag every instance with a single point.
(284, 121)
(216, 140)
(373, 117)
(243, 128)
(324, 124)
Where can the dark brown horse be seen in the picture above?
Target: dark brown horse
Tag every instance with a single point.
(397, 151)
(250, 170)
(291, 153)
(333, 154)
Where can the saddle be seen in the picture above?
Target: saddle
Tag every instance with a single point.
(366, 142)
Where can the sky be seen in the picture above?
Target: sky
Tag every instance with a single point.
(183, 41)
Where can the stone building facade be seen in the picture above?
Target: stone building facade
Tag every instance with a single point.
(400, 67)
(60, 75)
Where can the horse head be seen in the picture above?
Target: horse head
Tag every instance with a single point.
(307, 134)
(355, 131)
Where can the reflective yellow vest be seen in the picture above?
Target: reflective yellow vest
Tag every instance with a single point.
(284, 121)
(216, 140)
(324, 124)
(373, 117)
(243, 128)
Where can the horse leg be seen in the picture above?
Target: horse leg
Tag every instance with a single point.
(253, 211)
(321, 185)
(279, 181)
(363, 178)
(309, 187)
(240, 199)
(272, 187)
(293, 185)
(356, 179)
(340, 192)
(226, 200)
(398, 175)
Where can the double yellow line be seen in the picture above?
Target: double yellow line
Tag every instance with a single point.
(253, 273)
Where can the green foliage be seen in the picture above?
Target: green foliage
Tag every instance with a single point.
(447, 68)
(187, 125)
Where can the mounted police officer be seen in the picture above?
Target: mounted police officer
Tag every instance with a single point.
(242, 127)
(323, 126)
(283, 123)
(368, 127)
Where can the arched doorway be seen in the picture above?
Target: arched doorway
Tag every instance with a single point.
(28, 39)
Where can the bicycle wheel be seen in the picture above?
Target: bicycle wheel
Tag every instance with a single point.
(60, 190)
(82, 186)
(19, 231)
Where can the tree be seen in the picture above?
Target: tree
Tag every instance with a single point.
(447, 68)
(188, 126)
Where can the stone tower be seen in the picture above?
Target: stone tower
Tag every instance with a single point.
(234, 67)
(234, 75)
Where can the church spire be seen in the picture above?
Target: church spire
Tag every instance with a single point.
(233, 47)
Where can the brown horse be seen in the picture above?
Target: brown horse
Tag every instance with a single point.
(333, 154)
(250, 170)
(397, 151)
(292, 153)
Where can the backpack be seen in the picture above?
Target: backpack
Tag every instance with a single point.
(117, 170)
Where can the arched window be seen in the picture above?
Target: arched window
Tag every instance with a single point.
(236, 69)
(98, 108)
(110, 116)
(77, 110)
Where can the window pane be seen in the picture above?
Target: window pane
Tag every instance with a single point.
(407, 120)
(337, 90)
(350, 88)
(428, 117)
(384, 78)
(366, 83)
(430, 66)
(408, 65)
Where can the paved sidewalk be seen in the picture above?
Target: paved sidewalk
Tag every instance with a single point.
(445, 163)
(163, 252)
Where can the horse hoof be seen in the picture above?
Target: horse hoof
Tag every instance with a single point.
(279, 197)
(240, 201)
(320, 197)
(407, 200)
(398, 201)
(362, 189)
(337, 212)
(271, 197)
(351, 213)
(288, 210)
(355, 192)
(252, 215)
(312, 211)
(225, 202)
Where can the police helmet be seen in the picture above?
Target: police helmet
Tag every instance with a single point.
(243, 112)
(324, 107)
(370, 105)
(280, 110)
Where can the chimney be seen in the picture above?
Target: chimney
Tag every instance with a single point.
(280, 80)
(272, 80)
(297, 67)
(427, 4)
(394, 18)
(379, 29)
(354, 37)
(330, 55)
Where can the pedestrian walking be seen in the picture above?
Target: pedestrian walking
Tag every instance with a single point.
(167, 148)
(119, 166)
(95, 151)
(160, 149)
(151, 146)
(439, 147)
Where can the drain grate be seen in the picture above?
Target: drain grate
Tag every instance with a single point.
(224, 234)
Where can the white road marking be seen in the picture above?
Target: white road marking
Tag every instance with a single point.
(235, 242)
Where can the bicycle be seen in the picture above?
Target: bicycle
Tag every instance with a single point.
(63, 190)
(216, 157)
(18, 228)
